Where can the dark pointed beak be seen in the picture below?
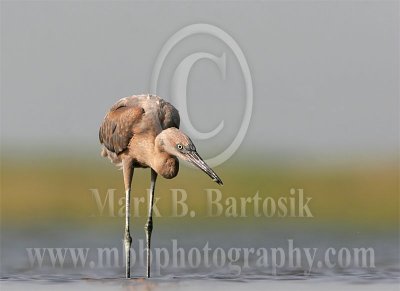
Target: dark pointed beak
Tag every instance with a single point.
(194, 158)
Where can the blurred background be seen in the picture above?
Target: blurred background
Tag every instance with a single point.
(325, 118)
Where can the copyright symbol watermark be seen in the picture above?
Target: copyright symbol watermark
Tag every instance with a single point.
(179, 81)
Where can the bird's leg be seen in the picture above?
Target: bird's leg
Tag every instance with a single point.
(127, 236)
(128, 173)
(149, 224)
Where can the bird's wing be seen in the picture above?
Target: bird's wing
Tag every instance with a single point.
(117, 129)
(169, 116)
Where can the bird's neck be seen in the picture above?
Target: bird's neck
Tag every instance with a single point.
(164, 163)
(166, 166)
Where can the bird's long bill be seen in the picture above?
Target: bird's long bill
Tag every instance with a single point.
(195, 159)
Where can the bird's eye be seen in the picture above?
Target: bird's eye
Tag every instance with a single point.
(180, 147)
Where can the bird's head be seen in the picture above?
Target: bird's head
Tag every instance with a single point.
(176, 143)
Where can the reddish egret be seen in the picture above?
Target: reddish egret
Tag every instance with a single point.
(142, 132)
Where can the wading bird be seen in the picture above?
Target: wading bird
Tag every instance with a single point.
(143, 132)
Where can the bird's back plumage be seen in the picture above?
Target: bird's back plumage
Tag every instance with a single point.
(132, 116)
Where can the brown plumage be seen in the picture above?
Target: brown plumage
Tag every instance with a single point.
(142, 131)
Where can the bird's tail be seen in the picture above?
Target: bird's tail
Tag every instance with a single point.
(113, 157)
(103, 152)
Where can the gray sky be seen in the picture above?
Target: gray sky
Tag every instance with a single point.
(325, 73)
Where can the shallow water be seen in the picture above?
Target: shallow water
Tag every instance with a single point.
(199, 283)
(17, 272)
